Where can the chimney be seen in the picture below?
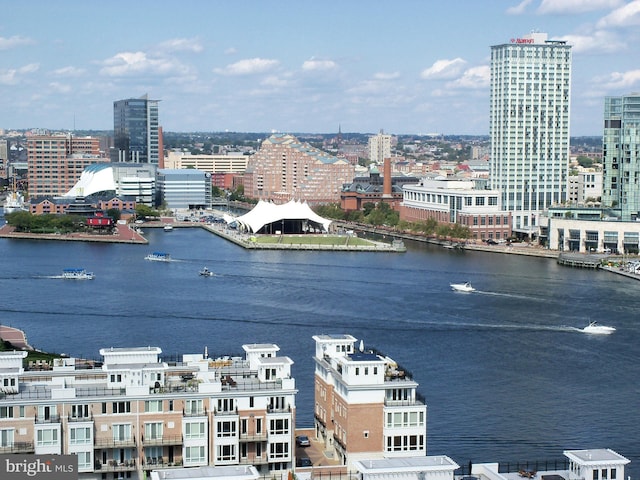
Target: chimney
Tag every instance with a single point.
(386, 185)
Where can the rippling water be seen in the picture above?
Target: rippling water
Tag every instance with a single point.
(505, 371)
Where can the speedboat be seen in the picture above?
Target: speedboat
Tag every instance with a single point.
(158, 257)
(596, 329)
(462, 287)
(168, 228)
(77, 274)
(205, 272)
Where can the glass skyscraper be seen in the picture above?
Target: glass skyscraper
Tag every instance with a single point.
(621, 156)
(136, 131)
(529, 126)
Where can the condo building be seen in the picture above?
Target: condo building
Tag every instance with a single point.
(134, 412)
(366, 405)
(56, 162)
(529, 126)
(285, 169)
(621, 156)
(137, 136)
(379, 147)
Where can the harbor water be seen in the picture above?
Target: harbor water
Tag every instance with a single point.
(506, 372)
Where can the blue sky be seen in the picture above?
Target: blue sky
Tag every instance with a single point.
(408, 66)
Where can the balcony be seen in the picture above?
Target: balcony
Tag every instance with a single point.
(254, 437)
(114, 466)
(18, 447)
(48, 419)
(80, 418)
(163, 440)
(194, 412)
(254, 460)
(114, 443)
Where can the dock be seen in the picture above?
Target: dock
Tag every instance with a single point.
(580, 260)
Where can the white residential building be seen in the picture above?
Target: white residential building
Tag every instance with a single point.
(379, 147)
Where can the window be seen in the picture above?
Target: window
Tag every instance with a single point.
(6, 438)
(278, 450)
(193, 407)
(84, 461)
(80, 436)
(226, 429)
(194, 455)
(226, 405)
(121, 432)
(226, 452)
(153, 406)
(79, 411)
(6, 412)
(121, 407)
(153, 430)
(194, 430)
(47, 437)
(279, 426)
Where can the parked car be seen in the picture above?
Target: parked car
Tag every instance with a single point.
(302, 441)
(304, 462)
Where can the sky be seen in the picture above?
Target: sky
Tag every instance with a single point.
(298, 66)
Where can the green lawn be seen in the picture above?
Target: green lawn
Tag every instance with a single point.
(310, 240)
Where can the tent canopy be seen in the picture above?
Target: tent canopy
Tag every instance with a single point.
(290, 217)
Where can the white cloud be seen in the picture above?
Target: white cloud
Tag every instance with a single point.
(15, 41)
(69, 72)
(13, 76)
(519, 9)
(136, 63)
(249, 66)
(601, 41)
(444, 69)
(230, 51)
(182, 45)
(386, 76)
(620, 80)
(475, 77)
(274, 81)
(60, 87)
(575, 6)
(626, 16)
(319, 65)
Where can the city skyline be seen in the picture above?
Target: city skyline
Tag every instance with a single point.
(416, 68)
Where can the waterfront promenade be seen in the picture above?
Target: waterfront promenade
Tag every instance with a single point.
(123, 234)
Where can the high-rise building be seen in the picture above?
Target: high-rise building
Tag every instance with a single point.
(136, 131)
(366, 405)
(529, 126)
(621, 156)
(379, 147)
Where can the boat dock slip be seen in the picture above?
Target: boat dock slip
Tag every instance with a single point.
(579, 260)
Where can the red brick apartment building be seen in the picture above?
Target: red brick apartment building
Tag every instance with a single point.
(55, 162)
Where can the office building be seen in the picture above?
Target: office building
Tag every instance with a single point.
(621, 156)
(135, 412)
(379, 147)
(456, 201)
(56, 162)
(285, 169)
(529, 127)
(136, 131)
(222, 167)
(366, 405)
(185, 189)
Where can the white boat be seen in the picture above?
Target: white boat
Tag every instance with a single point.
(158, 257)
(14, 203)
(462, 287)
(77, 274)
(168, 228)
(596, 329)
(205, 272)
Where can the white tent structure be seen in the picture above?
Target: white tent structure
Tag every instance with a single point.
(291, 217)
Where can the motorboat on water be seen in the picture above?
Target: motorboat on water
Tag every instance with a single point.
(205, 272)
(168, 228)
(77, 274)
(596, 329)
(462, 287)
(158, 257)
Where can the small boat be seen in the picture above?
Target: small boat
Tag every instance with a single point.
(462, 287)
(158, 257)
(168, 228)
(77, 274)
(205, 272)
(596, 329)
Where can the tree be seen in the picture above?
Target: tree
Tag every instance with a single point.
(114, 214)
(144, 211)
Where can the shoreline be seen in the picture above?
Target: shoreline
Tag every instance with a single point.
(124, 235)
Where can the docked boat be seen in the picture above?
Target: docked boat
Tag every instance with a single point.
(205, 272)
(596, 329)
(462, 287)
(14, 203)
(168, 228)
(158, 257)
(77, 274)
